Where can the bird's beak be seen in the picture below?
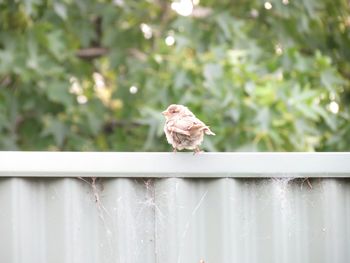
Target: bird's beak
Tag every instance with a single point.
(165, 113)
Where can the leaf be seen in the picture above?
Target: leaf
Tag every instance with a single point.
(95, 122)
(236, 56)
(330, 79)
(224, 24)
(7, 60)
(9, 143)
(29, 5)
(56, 44)
(60, 10)
(263, 119)
(307, 111)
(312, 6)
(58, 91)
(56, 128)
(330, 121)
(234, 114)
(276, 137)
(181, 80)
(212, 72)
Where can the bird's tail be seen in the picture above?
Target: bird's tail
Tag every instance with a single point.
(207, 131)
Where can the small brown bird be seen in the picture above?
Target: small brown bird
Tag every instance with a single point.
(182, 129)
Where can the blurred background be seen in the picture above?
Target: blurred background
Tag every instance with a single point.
(85, 75)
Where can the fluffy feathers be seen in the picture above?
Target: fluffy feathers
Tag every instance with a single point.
(182, 129)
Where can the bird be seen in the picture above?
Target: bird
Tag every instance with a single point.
(183, 130)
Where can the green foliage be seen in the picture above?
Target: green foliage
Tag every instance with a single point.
(90, 75)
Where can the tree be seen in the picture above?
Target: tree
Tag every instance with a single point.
(95, 75)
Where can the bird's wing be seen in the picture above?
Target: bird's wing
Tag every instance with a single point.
(189, 123)
(178, 127)
(195, 124)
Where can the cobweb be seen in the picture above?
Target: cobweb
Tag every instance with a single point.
(162, 220)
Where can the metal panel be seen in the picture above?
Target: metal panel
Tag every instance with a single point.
(174, 220)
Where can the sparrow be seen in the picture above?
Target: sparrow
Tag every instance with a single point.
(182, 129)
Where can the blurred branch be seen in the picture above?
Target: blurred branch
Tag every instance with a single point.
(97, 22)
(95, 50)
(137, 54)
(5, 81)
(92, 52)
(164, 20)
(111, 125)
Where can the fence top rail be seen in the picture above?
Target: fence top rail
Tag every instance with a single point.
(159, 164)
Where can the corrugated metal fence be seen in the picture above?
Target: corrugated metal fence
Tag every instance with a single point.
(145, 208)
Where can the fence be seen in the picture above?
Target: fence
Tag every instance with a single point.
(174, 208)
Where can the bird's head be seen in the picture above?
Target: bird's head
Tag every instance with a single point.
(175, 110)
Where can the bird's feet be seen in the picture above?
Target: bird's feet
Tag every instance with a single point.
(197, 150)
(174, 150)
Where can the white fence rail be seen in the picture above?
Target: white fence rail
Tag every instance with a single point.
(103, 164)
